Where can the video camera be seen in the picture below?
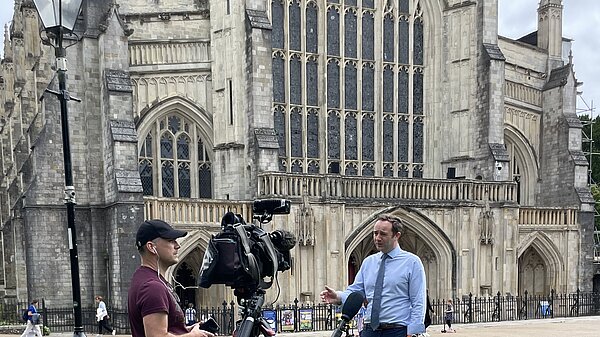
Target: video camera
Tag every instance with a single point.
(244, 256)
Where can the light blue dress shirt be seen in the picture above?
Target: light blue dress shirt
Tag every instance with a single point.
(404, 291)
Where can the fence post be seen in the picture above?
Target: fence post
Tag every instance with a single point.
(551, 306)
(470, 307)
(232, 317)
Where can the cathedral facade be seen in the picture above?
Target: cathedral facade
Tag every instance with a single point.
(349, 108)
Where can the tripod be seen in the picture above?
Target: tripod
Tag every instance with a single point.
(252, 322)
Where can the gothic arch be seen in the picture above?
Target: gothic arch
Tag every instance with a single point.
(185, 107)
(191, 254)
(549, 254)
(442, 273)
(525, 157)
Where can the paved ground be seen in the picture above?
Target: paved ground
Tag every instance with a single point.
(580, 327)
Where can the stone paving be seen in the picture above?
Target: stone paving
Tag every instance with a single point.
(578, 326)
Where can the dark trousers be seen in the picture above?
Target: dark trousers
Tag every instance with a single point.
(104, 324)
(395, 332)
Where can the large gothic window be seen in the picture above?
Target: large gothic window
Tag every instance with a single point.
(173, 161)
(348, 86)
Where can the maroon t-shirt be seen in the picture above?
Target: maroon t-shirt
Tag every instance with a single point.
(148, 295)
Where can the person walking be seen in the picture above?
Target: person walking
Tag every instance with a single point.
(190, 315)
(153, 305)
(102, 317)
(33, 320)
(428, 310)
(393, 281)
(448, 316)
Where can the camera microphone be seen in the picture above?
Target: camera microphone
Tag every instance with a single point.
(271, 206)
(349, 310)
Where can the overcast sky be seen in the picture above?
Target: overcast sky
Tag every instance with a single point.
(581, 22)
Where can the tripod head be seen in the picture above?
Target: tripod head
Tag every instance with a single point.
(252, 323)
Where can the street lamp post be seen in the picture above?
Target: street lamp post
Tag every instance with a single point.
(59, 17)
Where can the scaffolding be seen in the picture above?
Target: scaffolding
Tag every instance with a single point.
(591, 154)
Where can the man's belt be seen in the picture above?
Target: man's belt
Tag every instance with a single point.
(386, 326)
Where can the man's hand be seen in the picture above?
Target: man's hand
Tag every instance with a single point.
(330, 296)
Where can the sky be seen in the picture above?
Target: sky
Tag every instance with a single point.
(581, 23)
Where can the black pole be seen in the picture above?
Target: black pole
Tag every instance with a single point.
(64, 97)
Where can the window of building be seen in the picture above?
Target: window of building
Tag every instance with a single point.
(338, 110)
(167, 157)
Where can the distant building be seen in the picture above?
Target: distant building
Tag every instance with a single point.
(348, 108)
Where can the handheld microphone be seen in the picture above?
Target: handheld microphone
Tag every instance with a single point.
(349, 309)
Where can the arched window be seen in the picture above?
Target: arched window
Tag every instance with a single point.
(338, 110)
(167, 161)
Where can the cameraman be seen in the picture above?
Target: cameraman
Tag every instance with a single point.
(154, 310)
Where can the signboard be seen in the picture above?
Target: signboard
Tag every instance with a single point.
(306, 319)
(287, 320)
(271, 317)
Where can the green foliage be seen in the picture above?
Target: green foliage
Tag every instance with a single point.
(46, 331)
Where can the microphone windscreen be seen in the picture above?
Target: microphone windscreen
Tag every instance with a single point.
(353, 304)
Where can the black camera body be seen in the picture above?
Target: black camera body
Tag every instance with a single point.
(244, 256)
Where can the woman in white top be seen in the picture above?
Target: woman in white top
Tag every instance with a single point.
(102, 316)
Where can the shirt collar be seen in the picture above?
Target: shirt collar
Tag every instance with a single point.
(393, 253)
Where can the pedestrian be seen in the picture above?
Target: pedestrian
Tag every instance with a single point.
(190, 314)
(448, 316)
(33, 320)
(102, 317)
(393, 281)
(427, 313)
(154, 309)
(360, 317)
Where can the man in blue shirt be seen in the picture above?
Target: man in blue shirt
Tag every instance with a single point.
(33, 321)
(396, 293)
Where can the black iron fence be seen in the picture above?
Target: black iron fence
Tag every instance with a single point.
(319, 317)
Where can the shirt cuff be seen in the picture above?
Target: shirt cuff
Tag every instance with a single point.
(415, 328)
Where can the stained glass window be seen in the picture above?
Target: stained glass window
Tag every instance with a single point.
(403, 140)
(388, 89)
(312, 134)
(368, 137)
(333, 84)
(166, 146)
(168, 179)
(350, 86)
(294, 25)
(278, 78)
(368, 36)
(370, 106)
(145, 168)
(350, 34)
(172, 166)
(296, 126)
(368, 87)
(183, 173)
(333, 31)
(312, 24)
(333, 135)
(295, 80)
(312, 82)
(388, 38)
(205, 179)
(388, 139)
(280, 129)
(351, 151)
(277, 35)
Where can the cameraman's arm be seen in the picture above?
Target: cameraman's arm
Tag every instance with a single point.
(155, 325)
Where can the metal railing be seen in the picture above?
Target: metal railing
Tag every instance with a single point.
(298, 316)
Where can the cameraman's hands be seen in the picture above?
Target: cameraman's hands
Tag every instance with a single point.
(329, 295)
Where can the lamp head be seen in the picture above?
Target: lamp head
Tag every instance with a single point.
(57, 14)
